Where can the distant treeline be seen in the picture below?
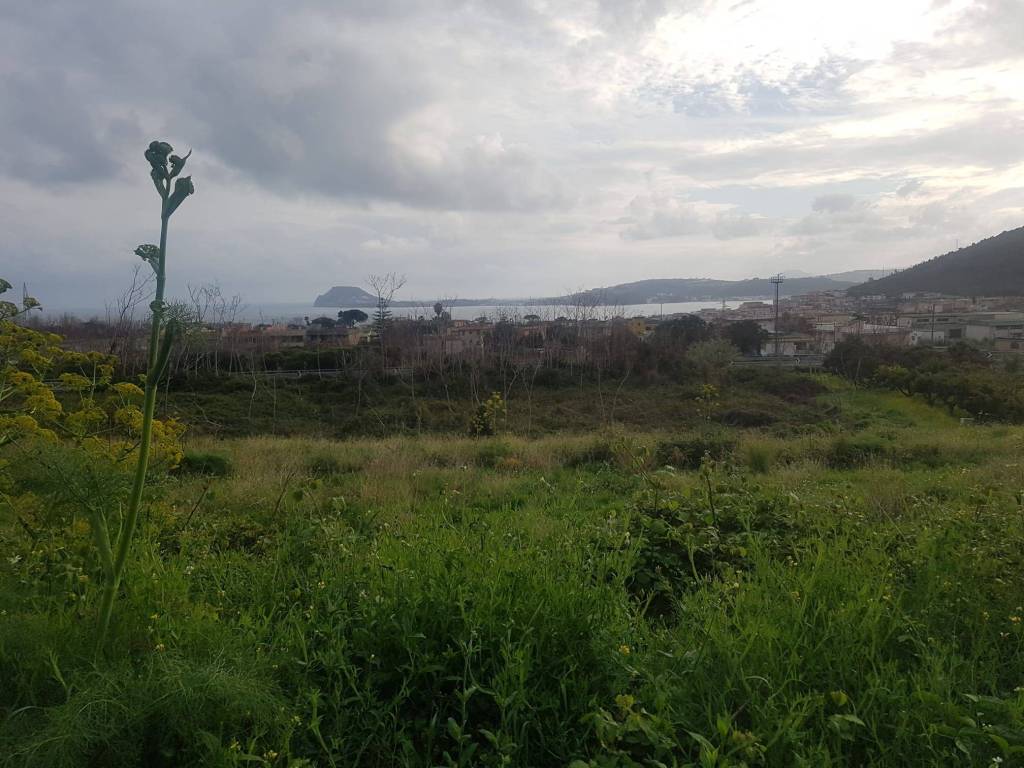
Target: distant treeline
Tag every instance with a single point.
(609, 348)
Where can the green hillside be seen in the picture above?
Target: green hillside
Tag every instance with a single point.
(992, 267)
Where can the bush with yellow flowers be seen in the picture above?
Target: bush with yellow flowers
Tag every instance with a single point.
(53, 393)
(69, 435)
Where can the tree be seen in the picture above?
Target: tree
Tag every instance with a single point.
(384, 288)
(350, 317)
(711, 359)
(671, 339)
(681, 332)
(323, 322)
(747, 336)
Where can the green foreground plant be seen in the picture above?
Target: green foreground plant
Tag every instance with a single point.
(165, 167)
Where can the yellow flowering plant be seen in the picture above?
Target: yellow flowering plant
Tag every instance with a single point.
(111, 420)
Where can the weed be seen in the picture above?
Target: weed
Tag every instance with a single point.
(205, 463)
(687, 453)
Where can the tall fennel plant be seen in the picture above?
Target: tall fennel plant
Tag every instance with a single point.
(165, 169)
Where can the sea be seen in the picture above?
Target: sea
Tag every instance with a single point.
(260, 312)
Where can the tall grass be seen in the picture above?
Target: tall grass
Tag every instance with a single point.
(551, 602)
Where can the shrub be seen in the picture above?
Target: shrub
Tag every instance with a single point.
(687, 453)
(509, 464)
(685, 539)
(744, 417)
(789, 385)
(598, 452)
(759, 457)
(203, 463)
(487, 414)
(323, 465)
(492, 453)
(847, 453)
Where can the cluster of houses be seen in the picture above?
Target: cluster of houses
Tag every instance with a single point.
(825, 319)
(807, 325)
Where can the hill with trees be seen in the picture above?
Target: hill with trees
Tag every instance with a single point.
(991, 267)
(699, 289)
(345, 296)
(639, 292)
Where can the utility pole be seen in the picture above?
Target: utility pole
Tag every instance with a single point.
(777, 280)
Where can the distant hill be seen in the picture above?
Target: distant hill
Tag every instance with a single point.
(350, 297)
(684, 289)
(860, 275)
(991, 267)
(345, 296)
(640, 292)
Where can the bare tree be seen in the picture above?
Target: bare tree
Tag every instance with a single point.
(384, 288)
(125, 330)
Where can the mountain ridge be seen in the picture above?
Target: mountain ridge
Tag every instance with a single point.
(650, 291)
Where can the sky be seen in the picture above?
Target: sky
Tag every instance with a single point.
(508, 148)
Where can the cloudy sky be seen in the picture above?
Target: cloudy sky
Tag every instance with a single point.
(503, 147)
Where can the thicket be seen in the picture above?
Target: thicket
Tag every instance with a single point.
(962, 378)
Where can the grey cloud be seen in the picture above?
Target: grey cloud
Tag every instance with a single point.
(990, 141)
(734, 224)
(984, 32)
(267, 93)
(867, 221)
(833, 203)
(49, 135)
(652, 219)
(909, 188)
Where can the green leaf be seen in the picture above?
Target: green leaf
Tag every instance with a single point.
(1000, 742)
(848, 719)
(4, 286)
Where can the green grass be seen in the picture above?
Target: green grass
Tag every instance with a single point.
(540, 601)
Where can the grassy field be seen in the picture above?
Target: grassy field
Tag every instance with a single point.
(557, 401)
(846, 595)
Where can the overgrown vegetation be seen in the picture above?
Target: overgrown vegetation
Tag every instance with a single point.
(847, 593)
(964, 379)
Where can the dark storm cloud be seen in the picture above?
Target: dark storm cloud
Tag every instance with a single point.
(49, 135)
(294, 97)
